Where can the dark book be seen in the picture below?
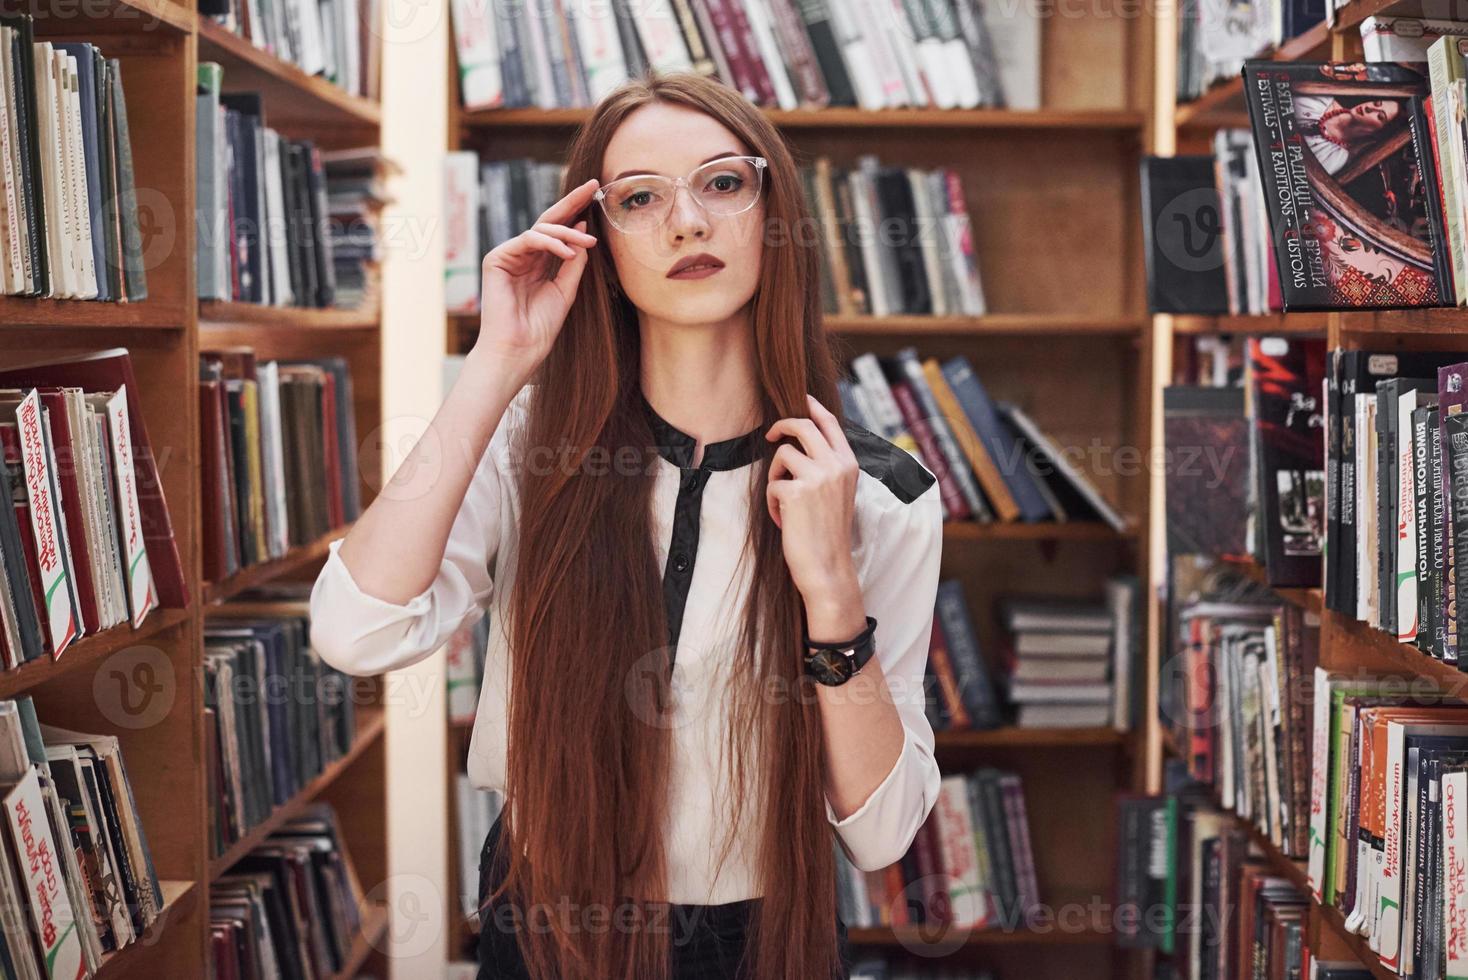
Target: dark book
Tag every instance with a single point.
(1182, 228)
(1289, 419)
(1206, 434)
(1349, 183)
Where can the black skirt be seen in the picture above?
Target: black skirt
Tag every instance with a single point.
(707, 940)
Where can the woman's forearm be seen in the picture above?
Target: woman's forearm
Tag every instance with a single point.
(395, 547)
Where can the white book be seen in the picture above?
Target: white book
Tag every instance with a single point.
(878, 27)
(272, 452)
(928, 223)
(1366, 491)
(867, 223)
(10, 272)
(72, 166)
(958, 65)
(603, 61)
(51, 912)
(311, 58)
(662, 38)
(958, 234)
(462, 261)
(1015, 28)
(481, 84)
(142, 596)
(86, 257)
(930, 57)
(277, 257)
(45, 507)
(762, 28)
(857, 51)
(47, 135)
(1455, 872)
(968, 892)
(881, 407)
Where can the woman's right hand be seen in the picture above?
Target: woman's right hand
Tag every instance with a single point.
(521, 310)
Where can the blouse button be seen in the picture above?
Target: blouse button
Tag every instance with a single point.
(680, 562)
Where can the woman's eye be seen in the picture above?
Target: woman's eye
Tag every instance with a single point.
(636, 200)
(726, 183)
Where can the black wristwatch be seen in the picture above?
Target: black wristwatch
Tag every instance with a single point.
(833, 664)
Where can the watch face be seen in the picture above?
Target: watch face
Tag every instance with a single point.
(829, 667)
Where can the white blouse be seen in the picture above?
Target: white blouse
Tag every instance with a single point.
(701, 516)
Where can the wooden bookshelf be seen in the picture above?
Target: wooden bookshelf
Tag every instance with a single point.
(160, 43)
(1345, 645)
(1066, 336)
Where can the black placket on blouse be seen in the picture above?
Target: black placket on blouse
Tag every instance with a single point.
(677, 447)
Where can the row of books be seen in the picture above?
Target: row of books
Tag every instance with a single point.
(778, 53)
(335, 39)
(279, 220)
(85, 538)
(1191, 884)
(275, 716)
(1387, 838)
(280, 455)
(1214, 39)
(1398, 448)
(292, 907)
(1230, 693)
(992, 461)
(76, 874)
(475, 811)
(923, 262)
(1247, 469)
(1075, 663)
(68, 205)
(970, 866)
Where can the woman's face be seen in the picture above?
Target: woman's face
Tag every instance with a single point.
(673, 140)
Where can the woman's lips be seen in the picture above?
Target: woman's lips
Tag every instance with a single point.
(696, 272)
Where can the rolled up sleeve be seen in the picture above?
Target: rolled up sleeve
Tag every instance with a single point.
(899, 588)
(360, 633)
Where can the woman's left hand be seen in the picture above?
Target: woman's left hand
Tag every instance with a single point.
(811, 495)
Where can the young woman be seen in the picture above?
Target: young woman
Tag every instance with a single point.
(711, 599)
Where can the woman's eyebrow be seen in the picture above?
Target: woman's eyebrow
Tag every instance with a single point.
(716, 156)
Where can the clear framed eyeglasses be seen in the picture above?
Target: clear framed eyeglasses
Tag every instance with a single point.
(641, 202)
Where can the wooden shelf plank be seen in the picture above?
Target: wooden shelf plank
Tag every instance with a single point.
(1267, 323)
(370, 727)
(955, 532)
(1012, 737)
(1102, 120)
(1375, 650)
(252, 575)
(119, 963)
(1047, 932)
(293, 99)
(1443, 322)
(374, 927)
(29, 312)
(1312, 600)
(213, 314)
(87, 652)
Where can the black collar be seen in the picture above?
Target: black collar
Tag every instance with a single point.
(676, 446)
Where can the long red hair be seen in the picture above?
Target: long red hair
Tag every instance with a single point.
(587, 780)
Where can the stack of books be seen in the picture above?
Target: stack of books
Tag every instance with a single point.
(1070, 663)
(85, 538)
(971, 864)
(356, 194)
(68, 202)
(1213, 39)
(777, 53)
(280, 455)
(76, 874)
(291, 908)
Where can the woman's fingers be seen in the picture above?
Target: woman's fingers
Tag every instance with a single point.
(574, 236)
(804, 431)
(568, 277)
(567, 207)
(788, 459)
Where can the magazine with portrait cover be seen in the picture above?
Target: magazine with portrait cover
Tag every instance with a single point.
(1345, 157)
